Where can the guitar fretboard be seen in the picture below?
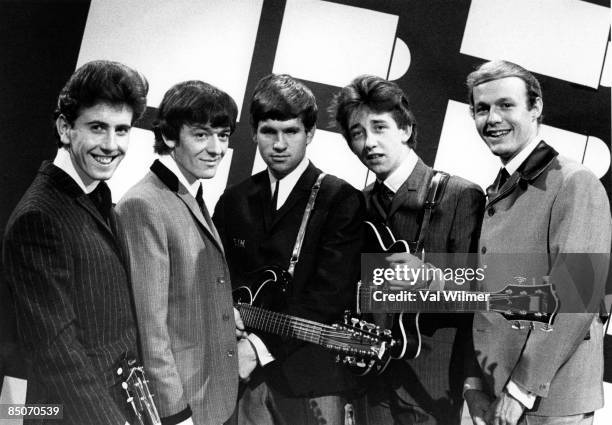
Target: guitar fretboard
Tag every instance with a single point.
(282, 324)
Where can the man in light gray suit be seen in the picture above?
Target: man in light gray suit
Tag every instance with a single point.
(180, 280)
(553, 212)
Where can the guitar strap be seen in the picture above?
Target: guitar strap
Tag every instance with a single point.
(434, 194)
(295, 255)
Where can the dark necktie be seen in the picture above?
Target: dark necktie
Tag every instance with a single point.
(384, 195)
(101, 198)
(274, 197)
(200, 201)
(503, 177)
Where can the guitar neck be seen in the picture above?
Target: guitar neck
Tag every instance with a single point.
(424, 300)
(282, 324)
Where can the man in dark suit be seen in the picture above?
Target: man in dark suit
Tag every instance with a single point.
(555, 213)
(181, 282)
(375, 118)
(259, 219)
(61, 258)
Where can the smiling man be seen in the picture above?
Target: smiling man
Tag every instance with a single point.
(61, 258)
(376, 120)
(293, 382)
(546, 206)
(181, 283)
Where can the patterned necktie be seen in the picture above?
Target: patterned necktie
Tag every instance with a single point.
(384, 195)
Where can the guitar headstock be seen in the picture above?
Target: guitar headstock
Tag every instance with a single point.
(361, 346)
(526, 302)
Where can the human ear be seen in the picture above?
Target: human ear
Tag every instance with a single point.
(63, 127)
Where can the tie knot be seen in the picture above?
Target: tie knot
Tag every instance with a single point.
(503, 177)
(384, 194)
(101, 198)
(199, 196)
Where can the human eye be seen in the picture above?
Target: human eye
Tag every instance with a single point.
(123, 131)
(356, 134)
(224, 136)
(97, 127)
(292, 130)
(379, 127)
(481, 109)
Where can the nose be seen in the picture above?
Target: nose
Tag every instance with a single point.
(493, 116)
(213, 146)
(109, 143)
(371, 141)
(280, 144)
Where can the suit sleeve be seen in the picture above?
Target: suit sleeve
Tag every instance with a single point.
(580, 223)
(37, 262)
(145, 237)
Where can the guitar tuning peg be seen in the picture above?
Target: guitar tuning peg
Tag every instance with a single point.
(119, 371)
(337, 359)
(362, 323)
(354, 321)
(517, 325)
(387, 332)
(546, 328)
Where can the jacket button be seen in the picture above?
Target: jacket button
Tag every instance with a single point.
(225, 317)
(483, 250)
(230, 353)
(491, 211)
(220, 281)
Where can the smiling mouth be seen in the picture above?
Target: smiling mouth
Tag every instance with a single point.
(374, 156)
(103, 159)
(496, 133)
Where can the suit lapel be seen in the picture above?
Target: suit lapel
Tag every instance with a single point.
(171, 181)
(300, 191)
(66, 184)
(411, 195)
(529, 170)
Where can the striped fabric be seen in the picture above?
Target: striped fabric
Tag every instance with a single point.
(72, 299)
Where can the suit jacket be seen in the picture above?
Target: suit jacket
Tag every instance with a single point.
(549, 206)
(433, 380)
(182, 294)
(325, 276)
(72, 299)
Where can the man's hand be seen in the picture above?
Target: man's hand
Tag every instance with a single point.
(247, 359)
(478, 403)
(505, 410)
(412, 271)
(240, 332)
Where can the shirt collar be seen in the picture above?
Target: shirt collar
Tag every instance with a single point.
(171, 164)
(64, 162)
(520, 157)
(397, 178)
(287, 183)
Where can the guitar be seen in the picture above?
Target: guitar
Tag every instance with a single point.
(361, 346)
(538, 303)
(135, 384)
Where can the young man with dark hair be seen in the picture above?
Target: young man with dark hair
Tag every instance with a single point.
(556, 212)
(375, 118)
(61, 258)
(258, 219)
(181, 283)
